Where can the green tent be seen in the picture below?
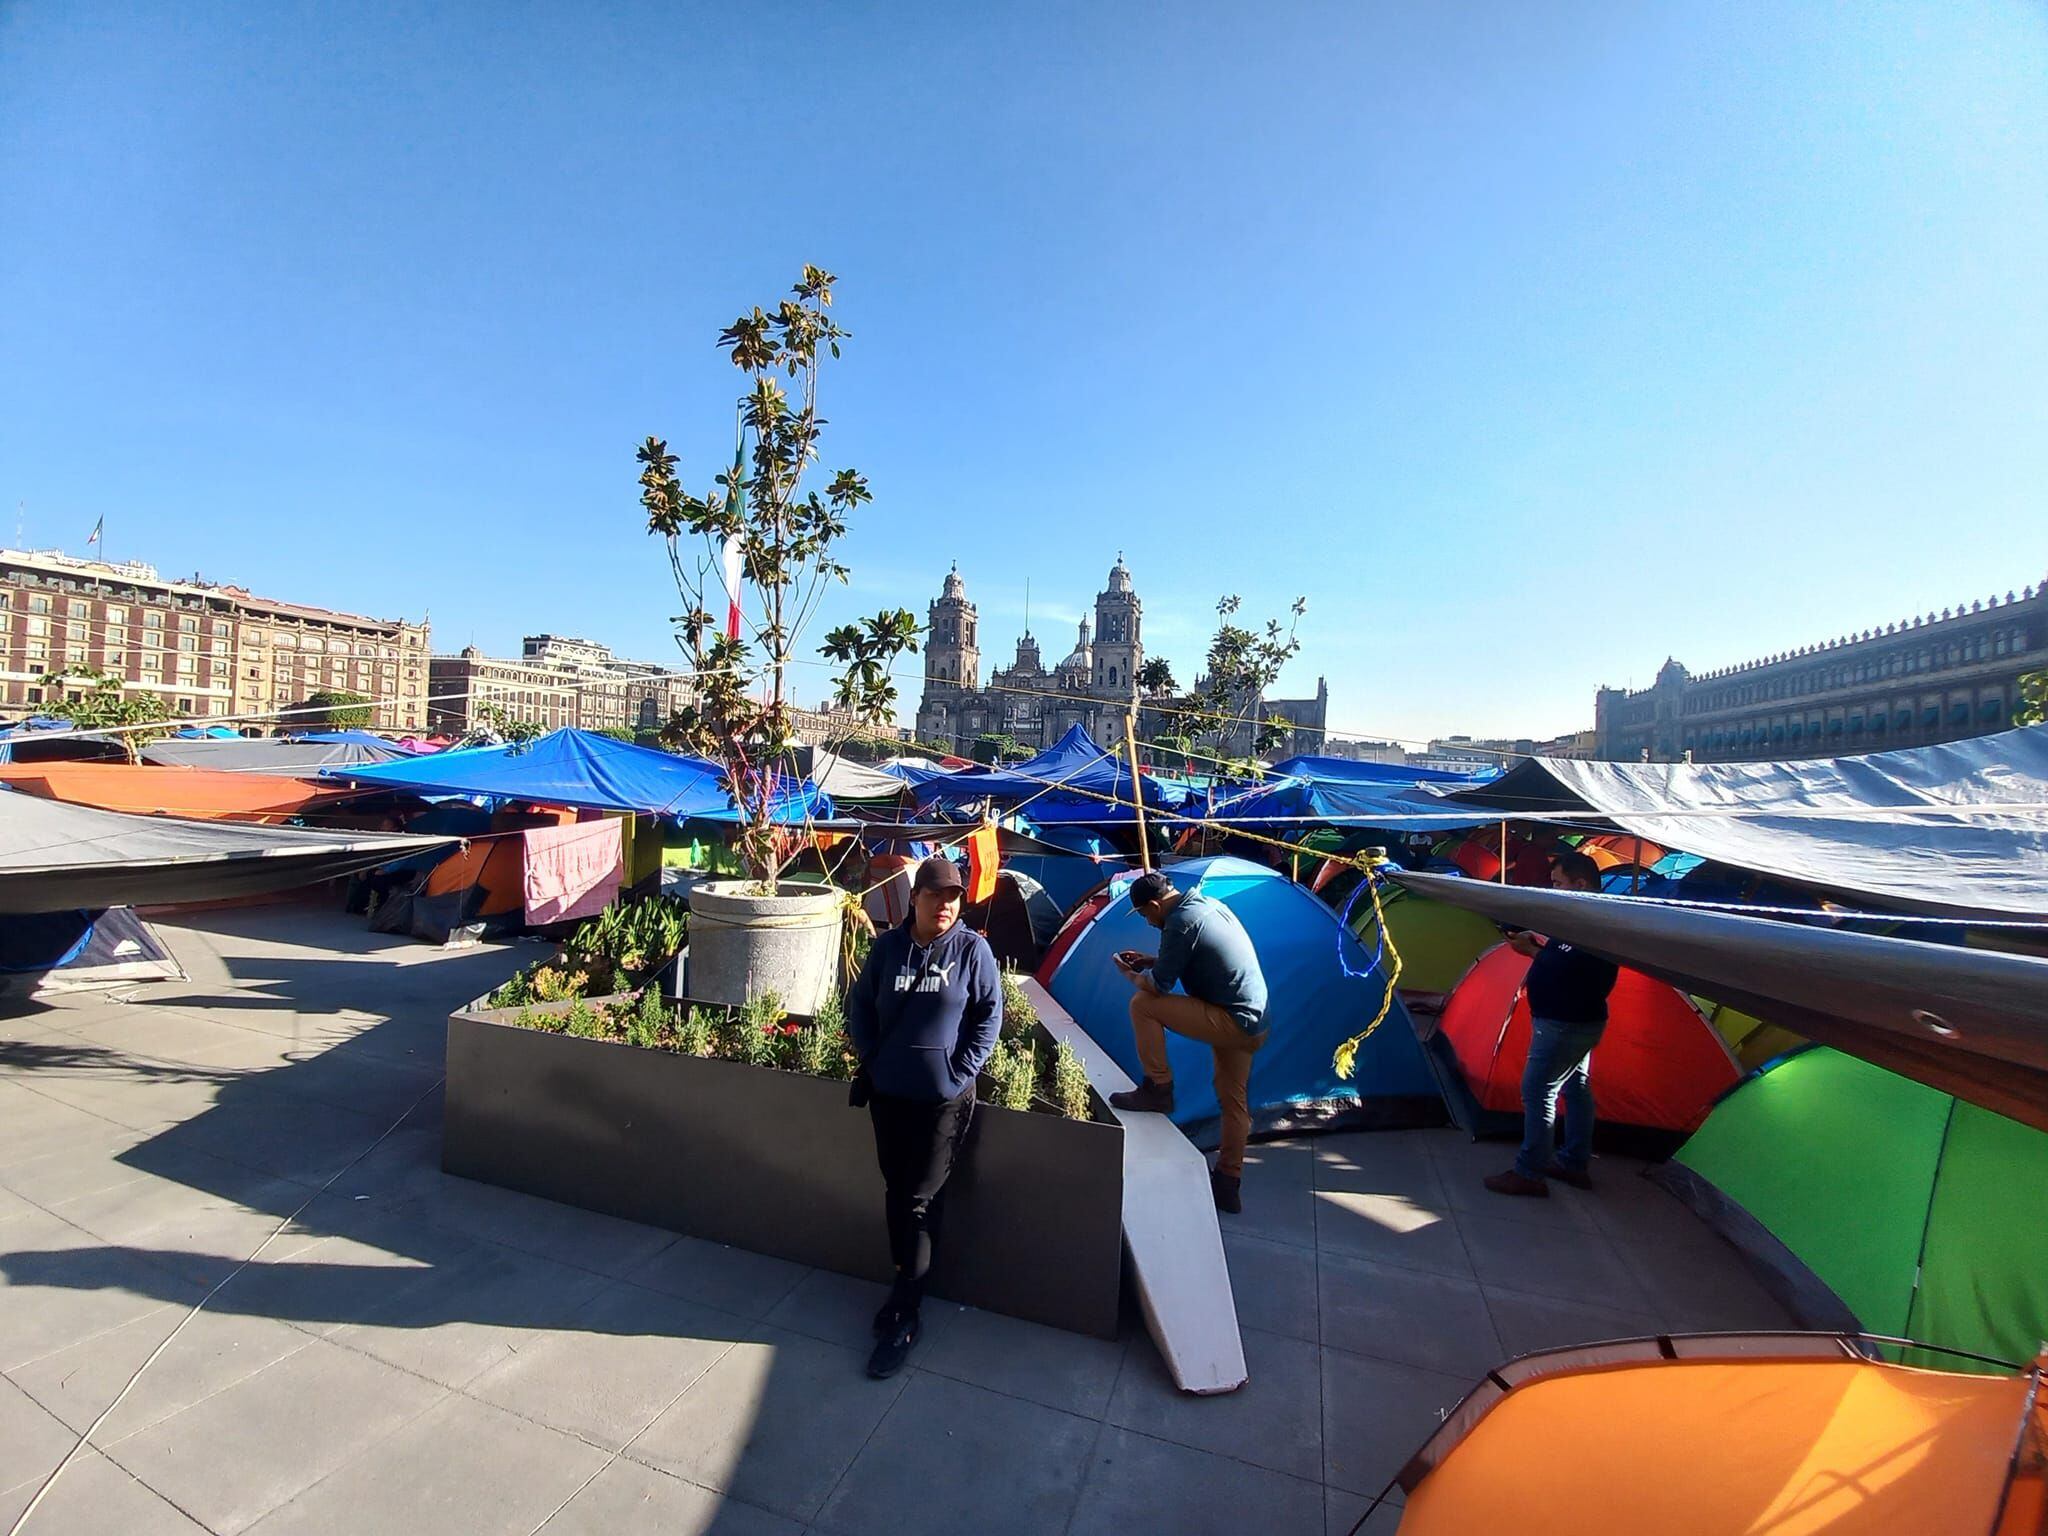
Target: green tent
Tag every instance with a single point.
(1438, 943)
(1926, 1217)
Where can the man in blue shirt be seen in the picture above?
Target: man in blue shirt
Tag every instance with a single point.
(1567, 990)
(1203, 949)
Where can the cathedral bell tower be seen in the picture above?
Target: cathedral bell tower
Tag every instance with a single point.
(952, 654)
(1119, 644)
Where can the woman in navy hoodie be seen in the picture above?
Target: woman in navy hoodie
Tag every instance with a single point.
(923, 1016)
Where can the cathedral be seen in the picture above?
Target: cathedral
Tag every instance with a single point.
(1092, 688)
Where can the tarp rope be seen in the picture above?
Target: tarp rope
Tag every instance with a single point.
(1346, 1059)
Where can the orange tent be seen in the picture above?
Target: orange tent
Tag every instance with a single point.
(199, 794)
(1618, 850)
(1661, 1064)
(1735, 1435)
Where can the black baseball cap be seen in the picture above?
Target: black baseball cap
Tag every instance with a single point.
(938, 873)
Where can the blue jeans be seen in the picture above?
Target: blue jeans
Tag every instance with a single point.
(1557, 1069)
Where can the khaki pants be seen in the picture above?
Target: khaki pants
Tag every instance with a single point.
(1152, 1016)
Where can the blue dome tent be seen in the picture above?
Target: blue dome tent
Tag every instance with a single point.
(1315, 1004)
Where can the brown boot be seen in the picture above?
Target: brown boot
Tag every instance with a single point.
(1515, 1183)
(1154, 1098)
(1578, 1178)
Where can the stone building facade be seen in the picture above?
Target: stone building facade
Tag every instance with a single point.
(1942, 677)
(555, 681)
(1092, 686)
(203, 650)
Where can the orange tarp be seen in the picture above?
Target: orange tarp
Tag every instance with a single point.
(203, 794)
(1729, 1448)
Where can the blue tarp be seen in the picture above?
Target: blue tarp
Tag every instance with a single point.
(1315, 1003)
(584, 770)
(1337, 790)
(1074, 760)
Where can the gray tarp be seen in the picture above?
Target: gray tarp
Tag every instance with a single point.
(266, 754)
(1852, 824)
(844, 779)
(1970, 1022)
(55, 857)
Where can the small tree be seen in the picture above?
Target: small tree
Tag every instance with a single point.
(495, 723)
(2032, 708)
(999, 747)
(1156, 676)
(334, 709)
(1243, 664)
(93, 701)
(752, 559)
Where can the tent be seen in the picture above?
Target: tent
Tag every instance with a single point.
(1967, 1021)
(1920, 1215)
(1336, 790)
(846, 780)
(1101, 781)
(47, 953)
(203, 794)
(56, 857)
(1437, 942)
(269, 754)
(1319, 995)
(1659, 1066)
(1957, 828)
(584, 770)
(1018, 921)
(1734, 1435)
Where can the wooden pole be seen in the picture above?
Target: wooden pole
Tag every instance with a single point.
(1503, 853)
(1137, 787)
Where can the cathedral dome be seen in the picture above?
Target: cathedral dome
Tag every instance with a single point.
(1081, 658)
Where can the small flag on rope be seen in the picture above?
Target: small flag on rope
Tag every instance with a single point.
(97, 529)
(983, 861)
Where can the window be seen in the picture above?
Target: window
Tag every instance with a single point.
(78, 608)
(184, 706)
(220, 629)
(39, 605)
(189, 625)
(35, 626)
(152, 620)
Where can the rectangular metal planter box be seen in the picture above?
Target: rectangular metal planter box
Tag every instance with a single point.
(778, 1163)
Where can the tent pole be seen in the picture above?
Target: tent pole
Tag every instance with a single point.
(1137, 786)
(1635, 868)
(1503, 853)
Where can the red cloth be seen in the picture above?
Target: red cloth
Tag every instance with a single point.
(572, 871)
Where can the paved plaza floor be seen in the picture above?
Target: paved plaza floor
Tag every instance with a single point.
(424, 1354)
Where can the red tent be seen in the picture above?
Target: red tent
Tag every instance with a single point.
(1661, 1064)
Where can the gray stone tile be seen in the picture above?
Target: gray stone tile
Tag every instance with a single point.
(32, 1439)
(946, 1448)
(320, 1284)
(628, 1499)
(717, 1275)
(1529, 1323)
(95, 1497)
(774, 1423)
(81, 1165)
(1136, 1483)
(1279, 1195)
(194, 1232)
(1433, 1321)
(463, 1317)
(1375, 1415)
(276, 1134)
(1392, 1229)
(1274, 1284)
(1379, 1163)
(1273, 1420)
(347, 1077)
(615, 1366)
(841, 1310)
(462, 1468)
(1069, 1371)
(1466, 1165)
(563, 1234)
(138, 1104)
(1343, 1510)
(59, 1286)
(33, 1124)
(1574, 1263)
(289, 1426)
(212, 1351)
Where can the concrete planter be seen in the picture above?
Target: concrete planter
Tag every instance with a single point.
(778, 1163)
(745, 942)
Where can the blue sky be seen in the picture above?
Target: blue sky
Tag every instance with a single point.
(1529, 343)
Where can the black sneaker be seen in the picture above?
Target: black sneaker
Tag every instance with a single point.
(1226, 1190)
(893, 1348)
(1156, 1098)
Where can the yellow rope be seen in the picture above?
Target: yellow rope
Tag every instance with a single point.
(1346, 1059)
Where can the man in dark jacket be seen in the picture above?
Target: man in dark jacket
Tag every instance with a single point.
(923, 1016)
(1567, 990)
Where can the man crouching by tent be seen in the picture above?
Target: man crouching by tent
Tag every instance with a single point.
(1567, 1014)
(1204, 949)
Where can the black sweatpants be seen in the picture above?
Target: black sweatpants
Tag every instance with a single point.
(916, 1143)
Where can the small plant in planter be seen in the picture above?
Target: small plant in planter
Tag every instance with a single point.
(751, 559)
